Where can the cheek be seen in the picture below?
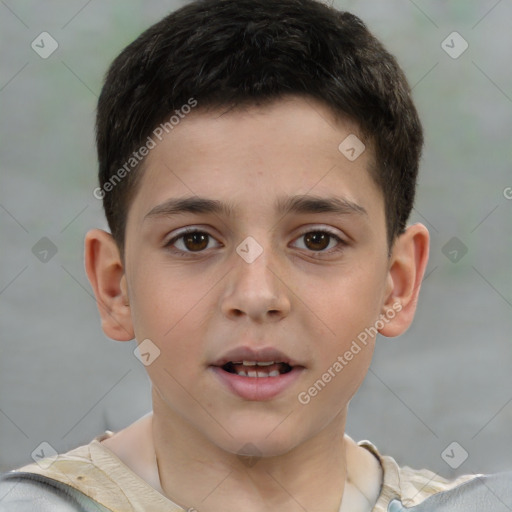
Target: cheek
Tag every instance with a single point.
(337, 375)
(163, 301)
(166, 310)
(346, 304)
(348, 307)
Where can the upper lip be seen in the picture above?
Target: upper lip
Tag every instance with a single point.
(246, 353)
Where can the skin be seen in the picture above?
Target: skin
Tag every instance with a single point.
(304, 298)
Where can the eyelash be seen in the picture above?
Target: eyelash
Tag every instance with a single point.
(185, 254)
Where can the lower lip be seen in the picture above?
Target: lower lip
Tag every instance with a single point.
(257, 388)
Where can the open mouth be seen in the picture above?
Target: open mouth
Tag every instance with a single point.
(257, 369)
(257, 375)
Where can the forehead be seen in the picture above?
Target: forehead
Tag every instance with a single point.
(258, 156)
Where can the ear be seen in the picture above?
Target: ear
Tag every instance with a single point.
(408, 261)
(105, 271)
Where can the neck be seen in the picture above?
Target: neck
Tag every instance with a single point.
(196, 473)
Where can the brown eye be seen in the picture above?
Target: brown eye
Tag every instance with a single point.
(317, 240)
(195, 241)
(320, 241)
(189, 242)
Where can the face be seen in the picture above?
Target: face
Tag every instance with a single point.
(288, 272)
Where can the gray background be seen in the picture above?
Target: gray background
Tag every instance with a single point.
(447, 379)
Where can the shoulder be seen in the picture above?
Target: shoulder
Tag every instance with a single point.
(68, 481)
(420, 490)
(476, 493)
(96, 473)
(418, 484)
(24, 492)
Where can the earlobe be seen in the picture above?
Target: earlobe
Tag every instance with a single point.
(106, 274)
(407, 266)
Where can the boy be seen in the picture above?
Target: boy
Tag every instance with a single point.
(281, 138)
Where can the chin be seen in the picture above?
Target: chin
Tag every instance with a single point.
(260, 438)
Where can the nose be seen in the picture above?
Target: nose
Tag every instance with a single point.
(256, 290)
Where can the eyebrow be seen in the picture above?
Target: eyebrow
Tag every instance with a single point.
(294, 204)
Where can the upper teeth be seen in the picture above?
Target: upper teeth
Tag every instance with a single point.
(254, 363)
(251, 368)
